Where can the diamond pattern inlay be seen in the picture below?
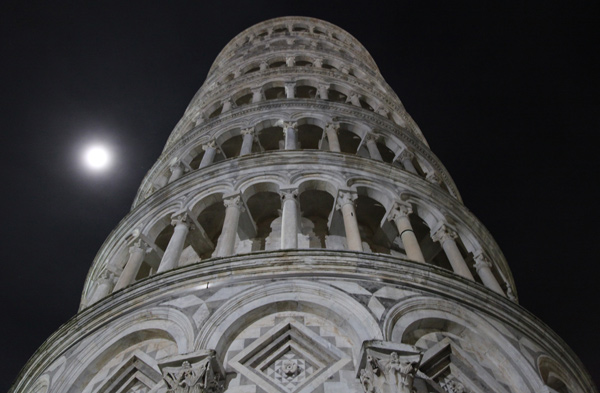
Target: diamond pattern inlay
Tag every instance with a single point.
(289, 358)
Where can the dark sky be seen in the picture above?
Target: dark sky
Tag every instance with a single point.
(507, 96)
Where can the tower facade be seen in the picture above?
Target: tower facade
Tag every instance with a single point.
(298, 235)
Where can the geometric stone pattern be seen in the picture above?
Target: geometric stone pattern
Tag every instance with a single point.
(289, 357)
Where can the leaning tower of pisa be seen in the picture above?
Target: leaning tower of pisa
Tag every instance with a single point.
(298, 235)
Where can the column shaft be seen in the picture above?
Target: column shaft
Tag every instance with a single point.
(289, 220)
(411, 244)
(373, 149)
(446, 238)
(174, 249)
(226, 243)
(130, 271)
(247, 140)
(346, 204)
(210, 151)
(176, 172)
(291, 136)
(484, 271)
(332, 137)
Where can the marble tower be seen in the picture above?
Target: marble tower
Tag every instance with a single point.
(298, 235)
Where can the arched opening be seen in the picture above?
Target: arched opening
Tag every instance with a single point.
(271, 138)
(265, 209)
(275, 93)
(349, 141)
(369, 214)
(386, 153)
(309, 136)
(232, 146)
(277, 64)
(432, 251)
(306, 92)
(316, 206)
(244, 100)
(336, 96)
(211, 219)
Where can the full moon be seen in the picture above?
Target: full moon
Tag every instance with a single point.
(97, 157)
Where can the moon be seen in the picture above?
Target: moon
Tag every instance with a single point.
(97, 157)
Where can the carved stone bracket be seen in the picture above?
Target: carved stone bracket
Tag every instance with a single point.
(387, 367)
(199, 372)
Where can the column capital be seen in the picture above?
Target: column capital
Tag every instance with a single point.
(345, 69)
(290, 61)
(381, 110)
(372, 137)
(387, 367)
(289, 194)
(324, 85)
(177, 165)
(443, 234)
(406, 155)
(287, 124)
(433, 178)
(212, 144)
(234, 201)
(256, 89)
(482, 261)
(140, 245)
(399, 210)
(247, 131)
(106, 277)
(227, 100)
(333, 126)
(182, 219)
(318, 62)
(263, 65)
(344, 198)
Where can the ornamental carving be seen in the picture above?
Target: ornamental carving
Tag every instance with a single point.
(198, 373)
(388, 367)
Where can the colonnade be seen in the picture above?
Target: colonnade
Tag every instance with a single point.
(291, 217)
(290, 132)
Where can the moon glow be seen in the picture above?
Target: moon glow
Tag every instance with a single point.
(97, 157)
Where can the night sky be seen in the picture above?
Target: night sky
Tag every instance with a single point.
(506, 95)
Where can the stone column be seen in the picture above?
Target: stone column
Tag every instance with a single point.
(290, 132)
(406, 158)
(289, 219)
(137, 252)
(257, 95)
(290, 89)
(210, 151)
(371, 142)
(323, 91)
(263, 65)
(227, 105)
(345, 69)
(318, 63)
(247, 139)
(290, 61)
(233, 209)
(174, 249)
(177, 171)
(103, 287)
(484, 270)
(382, 111)
(331, 130)
(345, 202)
(399, 215)
(446, 237)
(433, 177)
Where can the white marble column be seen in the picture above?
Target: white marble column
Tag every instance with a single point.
(484, 270)
(290, 89)
(263, 65)
(174, 249)
(446, 237)
(318, 63)
(406, 158)
(247, 140)
(345, 202)
(382, 111)
(210, 151)
(331, 130)
(399, 215)
(104, 284)
(434, 178)
(371, 142)
(227, 105)
(323, 91)
(290, 133)
(257, 94)
(233, 209)
(177, 171)
(290, 61)
(137, 252)
(290, 212)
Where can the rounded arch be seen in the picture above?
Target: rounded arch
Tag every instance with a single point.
(555, 376)
(159, 322)
(417, 316)
(254, 303)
